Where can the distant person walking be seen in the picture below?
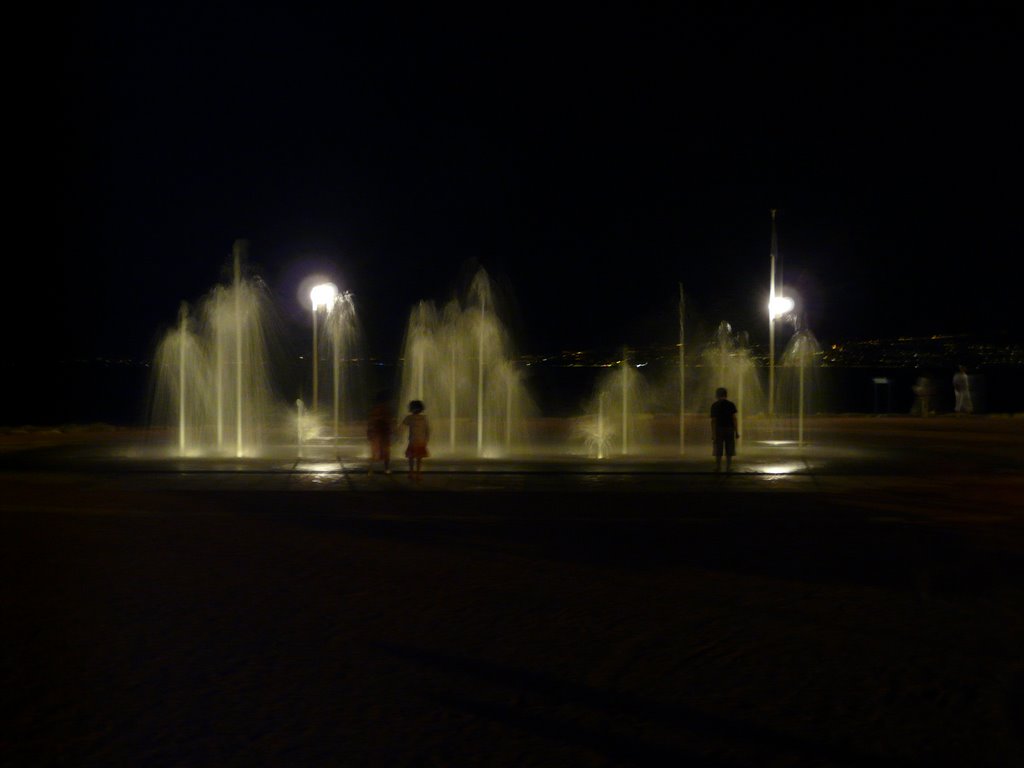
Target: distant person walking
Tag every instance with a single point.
(378, 432)
(724, 429)
(962, 390)
(419, 436)
(924, 390)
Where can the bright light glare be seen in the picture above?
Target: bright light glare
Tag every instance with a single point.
(780, 469)
(780, 305)
(323, 295)
(319, 467)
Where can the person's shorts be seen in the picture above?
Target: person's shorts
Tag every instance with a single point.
(416, 451)
(724, 444)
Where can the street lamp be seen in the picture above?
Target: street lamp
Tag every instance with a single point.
(322, 295)
(778, 306)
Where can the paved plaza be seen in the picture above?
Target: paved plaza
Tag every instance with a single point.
(854, 601)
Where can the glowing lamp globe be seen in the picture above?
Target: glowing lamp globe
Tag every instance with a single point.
(779, 306)
(323, 295)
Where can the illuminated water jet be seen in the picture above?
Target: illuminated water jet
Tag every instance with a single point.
(459, 362)
(726, 362)
(617, 412)
(195, 361)
(798, 360)
(342, 335)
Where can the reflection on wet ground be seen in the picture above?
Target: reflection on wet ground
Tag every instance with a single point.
(852, 453)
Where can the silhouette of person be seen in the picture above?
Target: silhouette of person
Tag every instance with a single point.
(724, 429)
(378, 432)
(924, 389)
(419, 436)
(962, 390)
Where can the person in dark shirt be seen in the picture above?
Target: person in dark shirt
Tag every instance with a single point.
(723, 429)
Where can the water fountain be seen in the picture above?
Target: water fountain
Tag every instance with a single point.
(342, 334)
(459, 362)
(682, 371)
(725, 361)
(615, 417)
(211, 373)
(212, 380)
(798, 382)
(181, 387)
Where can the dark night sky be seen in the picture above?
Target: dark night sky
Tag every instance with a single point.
(591, 161)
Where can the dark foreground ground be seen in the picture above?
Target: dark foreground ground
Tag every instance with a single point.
(856, 612)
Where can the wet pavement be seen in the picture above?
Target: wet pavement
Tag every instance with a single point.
(856, 601)
(838, 452)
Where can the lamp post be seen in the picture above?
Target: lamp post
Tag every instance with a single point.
(625, 401)
(322, 295)
(682, 372)
(239, 252)
(182, 336)
(480, 379)
(778, 305)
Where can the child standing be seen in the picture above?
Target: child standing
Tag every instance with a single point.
(724, 429)
(419, 436)
(378, 432)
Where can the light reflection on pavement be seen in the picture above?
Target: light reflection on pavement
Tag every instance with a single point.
(909, 458)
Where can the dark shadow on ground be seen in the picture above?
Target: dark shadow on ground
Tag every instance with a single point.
(629, 730)
(787, 536)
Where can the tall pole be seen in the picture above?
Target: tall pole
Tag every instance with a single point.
(419, 367)
(238, 342)
(220, 375)
(723, 354)
(323, 295)
(182, 331)
(336, 351)
(682, 372)
(739, 386)
(625, 403)
(600, 426)
(315, 355)
(771, 324)
(480, 381)
(800, 431)
(509, 373)
(451, 396)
